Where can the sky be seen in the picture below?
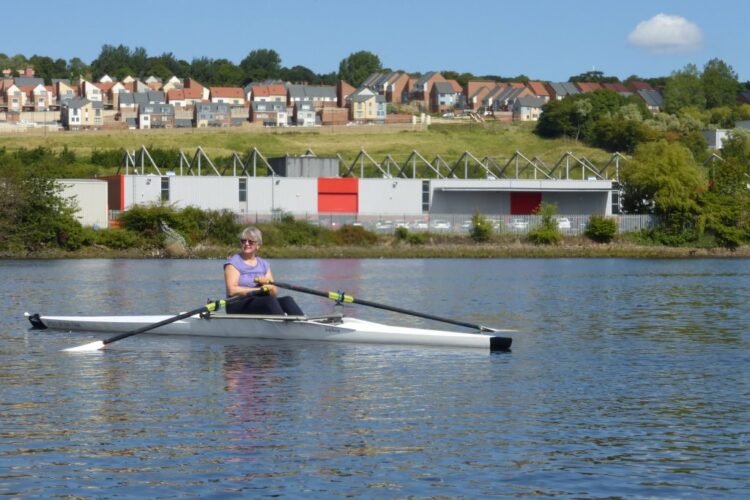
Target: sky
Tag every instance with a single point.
(542, 39)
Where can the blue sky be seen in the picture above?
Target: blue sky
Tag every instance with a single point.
(543, 39)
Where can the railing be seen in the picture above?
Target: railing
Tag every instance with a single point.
(453, 223)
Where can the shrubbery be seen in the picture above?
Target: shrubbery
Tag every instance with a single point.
(481, 228)
(601, 229)
(547, 232)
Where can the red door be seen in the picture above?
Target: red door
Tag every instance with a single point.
(338, 195)
(523, 203)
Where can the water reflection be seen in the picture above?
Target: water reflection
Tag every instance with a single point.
(627, 378)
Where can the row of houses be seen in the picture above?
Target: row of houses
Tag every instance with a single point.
(152, 103)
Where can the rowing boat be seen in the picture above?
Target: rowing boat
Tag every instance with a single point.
(333, 328)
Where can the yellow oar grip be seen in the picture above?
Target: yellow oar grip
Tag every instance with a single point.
(340, 297)
(211, 306)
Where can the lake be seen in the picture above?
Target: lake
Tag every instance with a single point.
(627, 378)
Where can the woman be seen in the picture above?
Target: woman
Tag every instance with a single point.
(247, 274)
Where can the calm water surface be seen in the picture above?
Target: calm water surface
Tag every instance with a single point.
(627, 378)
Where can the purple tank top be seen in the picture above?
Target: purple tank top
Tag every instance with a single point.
(248, 273)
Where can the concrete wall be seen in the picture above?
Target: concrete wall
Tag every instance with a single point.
(376, 196)
(390, 196)
(91, 197)
(458, 196)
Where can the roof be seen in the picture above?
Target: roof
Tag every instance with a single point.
(79, 102)
(638, 85)
(563, 89)
(444, 88)
(314, 92)
(530, 101)
(538, 88)
(617, 87)
(232, 92)
(151, 97)
(588, 86)
(652, 97)
(28, 81)
(426, 77)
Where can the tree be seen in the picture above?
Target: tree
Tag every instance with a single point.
(664, 179)
(78, 69)
(358, 66)
(684, 88)
(720, 84)
(110, 60)
(299, 74)
(261, 64)
(593, 76)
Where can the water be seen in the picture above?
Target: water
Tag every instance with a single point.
(627, 378)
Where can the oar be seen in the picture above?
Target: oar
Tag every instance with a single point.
(100, 344)
(340, 297)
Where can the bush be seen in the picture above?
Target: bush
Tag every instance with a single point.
(601, 229)
(547, 233)
(545, 236)
(355, 235)
(117, 239)
(403, 234)
(481, 228)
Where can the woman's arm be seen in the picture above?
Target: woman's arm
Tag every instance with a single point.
(268, 278)
(232, 282)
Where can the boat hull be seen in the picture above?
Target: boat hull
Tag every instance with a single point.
(324, 328)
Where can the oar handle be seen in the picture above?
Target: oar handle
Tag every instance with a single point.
(340, 297)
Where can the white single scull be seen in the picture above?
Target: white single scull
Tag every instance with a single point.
(334, 328)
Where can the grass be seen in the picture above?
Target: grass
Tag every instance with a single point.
(497, 140)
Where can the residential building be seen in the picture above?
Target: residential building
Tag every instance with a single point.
(269, 113)
(444, 97)
(213, 114)
(422, 88)
(185, 98)
(539, 90)
(321, 95)
(156, 116)
(527, 108)
(393, 85)
(652, 98)
(561, 90)
(366, 106)
(80, 113)
(343, 91)
(273, 92)
(154, 82)
(233, 96)
(304, 113)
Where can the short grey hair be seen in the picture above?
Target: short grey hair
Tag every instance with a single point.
(252, 233)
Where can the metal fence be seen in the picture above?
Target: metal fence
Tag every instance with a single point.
(452, 223)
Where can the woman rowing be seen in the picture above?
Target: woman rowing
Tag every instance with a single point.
(247, 274)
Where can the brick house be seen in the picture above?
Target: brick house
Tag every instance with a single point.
(80, 113)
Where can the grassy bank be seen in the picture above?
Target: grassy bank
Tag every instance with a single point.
(572, 248)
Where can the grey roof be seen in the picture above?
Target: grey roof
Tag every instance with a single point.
(305, 105)
(652, 97)
(423, 79)
(79, 102)
(444, 88)
(28, 81)
(530, 101)
(362, 94)
(61, 80)
(140, 98)
(563, 89)
(372, 80)
(314, 92)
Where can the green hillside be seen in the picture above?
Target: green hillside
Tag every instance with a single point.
(499, 141)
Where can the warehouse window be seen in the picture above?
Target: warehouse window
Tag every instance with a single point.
(243, 189)
(425, 196)
(165, 189)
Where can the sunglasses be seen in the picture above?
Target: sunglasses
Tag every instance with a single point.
(248, 242)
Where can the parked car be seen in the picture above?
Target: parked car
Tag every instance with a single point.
(467, 225)
(563, 223)
(420, 224)
(519, 224)
(441, 225)
(384, 225)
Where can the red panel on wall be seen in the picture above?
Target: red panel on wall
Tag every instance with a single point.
(345, 203)
(522, 203)
(338, 185)
(338, 194)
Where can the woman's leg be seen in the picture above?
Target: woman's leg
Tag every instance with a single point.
(263, 304)
(290, 306)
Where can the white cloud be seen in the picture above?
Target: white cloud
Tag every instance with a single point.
(664, 33)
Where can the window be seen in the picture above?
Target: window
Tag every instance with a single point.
(425, 196)
(243, 189)
(165, 189)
